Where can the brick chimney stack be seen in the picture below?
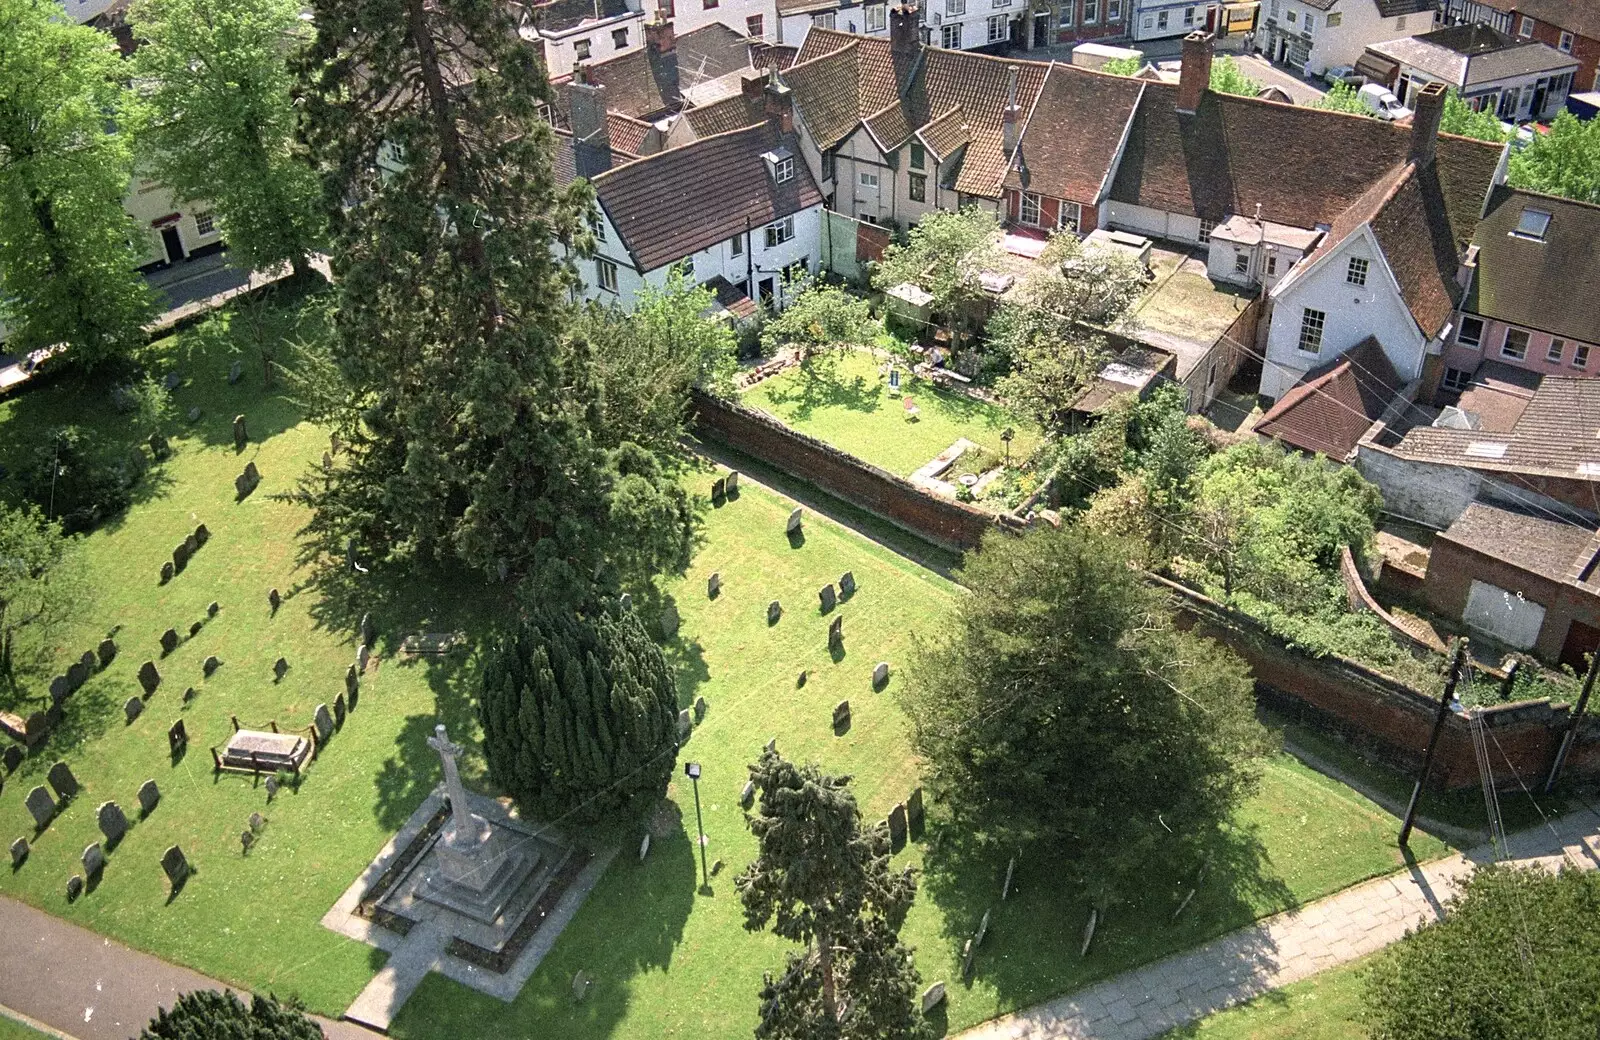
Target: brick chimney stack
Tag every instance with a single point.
(658, 35)
(1195, 74)
(778, 105)
(905, 24)
(1427, 107)
(591, 138)
(1013, 114)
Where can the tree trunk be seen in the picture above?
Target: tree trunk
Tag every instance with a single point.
(830, 1002)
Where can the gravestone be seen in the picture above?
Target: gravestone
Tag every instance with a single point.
(327, 463)
(209, 665)
(363, 655)
(149, 677)
(369, 630)
(74, 887)
(914, 814)
(932, 997)
(983, 930)
(836, 633)
(149, 797)
(699, 709)
(169, 641)
(841, 715)
(61, 778)
(333, 443)
(713, 584)
(212, 608)
(194, 414)
(685, 725)
(338, 711)
(172, 381)
(274, 600)
(107, 652)
(246, 840)
(323, 722)
(829, 601)
(272, 787)
(158, 446)
(94, 859)
(241, 433)
(644, 846)
(89, 661)
(774, 612)
(133, 709)
(280, 667)
(801, 680)
(60, 689)
(257, 821)
(195, 628)
(13, 758)
(847, 584)
(580, 986)
(625, 602)
(669, 621)
(202, 535)
(794, 521)
(1005, 889)
(355, 695)
(235, 372)
(19, 852)
(175, 866)
(177, 737)
(880, 674)
(772, 745)
(42, 806)
(719, 489)
(180, 557)
(78, 674)
(747, 795)
(351, 680)
(731, 488)
(189, 694)
(166, 572)
(897, 827)
(894, 379)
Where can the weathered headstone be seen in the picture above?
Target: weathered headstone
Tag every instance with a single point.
(327, 463)
(847, 584)
(42, 806)
(257, 821)
(369, 630)
(836, 633)
(914, 814)
(246, 840)
(149, 797)
(191, 543)
(60, 689)
(774, 612)
(772, 745)
(932, 997)
(78, 674)
(339, 711)
(699, 709)
(333, 442)
(177, 737)
(172, 381)
(212, 608)
(719, 489)
(194, 414)
(747, 795)
(280, 668)
(983, 930)
(801, 679)
(180, 557)
(580, 986)
(685, 725)
(880, 674)
(61, 778)
(175, 865)
(158, 446)
(731, 488)
(94, 859)
(897, 827)
(625, 602)
(363, 655)
(241, 432)
(19, 852)
(189, 694)
(209, 665)
(1005, 889)
(274, 600)
(195, 628)
(669, 621)
(272, 787)
(89, 661)
(106, 652)
(133, 709)
(235, 372)
(644, 846)
(202, 535)
(169, 641)
(149, 677)
(841, 715)
(826, 596)
(13, 758)
(112, 821)
(324, 722)
(794, 521)
(74, 887)
(714, 584)
(166, 572)
(351, 680)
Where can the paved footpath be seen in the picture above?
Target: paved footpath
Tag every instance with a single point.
(1281, 949)
(90, 988)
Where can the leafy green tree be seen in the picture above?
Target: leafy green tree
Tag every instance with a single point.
(1565, 161)
(1228, 78)
(580, 718)
(472, 417)
(1342, 97)
(1062, 706)
(216, 123)
(1051, 327)
(821, 317)
(41, 587)
(1517, 956)
(76, 479)
(1460, 118)
(152, 405)
(208, 1014)
(944, 255)
(1123, 66)
(821, 878)
(65, 255)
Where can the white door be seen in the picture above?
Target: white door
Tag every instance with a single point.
(1504, 615)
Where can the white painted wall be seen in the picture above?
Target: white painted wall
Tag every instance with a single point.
(1359, 24)
(149, 201)
(561, 50)
(689, 15)
(1181, 17)
(973, 17)
(1179, 227)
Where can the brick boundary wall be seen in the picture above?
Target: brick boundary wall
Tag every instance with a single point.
(1356, 594)
(943, 522)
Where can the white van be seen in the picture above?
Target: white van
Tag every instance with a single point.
(1382, 102)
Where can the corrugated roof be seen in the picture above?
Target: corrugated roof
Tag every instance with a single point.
(1558, 434)
(1537, 284)
(1331, 409)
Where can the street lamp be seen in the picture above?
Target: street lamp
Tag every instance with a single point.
(692, 769)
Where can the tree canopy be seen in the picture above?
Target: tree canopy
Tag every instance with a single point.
(215, 121)
(66, 258)
(945, 254)
(580, 718)
(208, 1014)
(1061, 705)
(822, 316)
(1565, 161)
(1460, 118)
(1228, 78)
(40, 586)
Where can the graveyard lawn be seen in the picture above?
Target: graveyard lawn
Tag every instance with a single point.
(11, 1029)
(843, 397)
(1324, 1007)
(668, 962)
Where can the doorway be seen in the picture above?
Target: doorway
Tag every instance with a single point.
(173, 242)
(766, 290)
(1041, 30)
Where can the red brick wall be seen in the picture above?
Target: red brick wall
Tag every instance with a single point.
(1452, 568)
(1049, 210)
(1584, 50)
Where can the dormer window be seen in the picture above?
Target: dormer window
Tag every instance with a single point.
(780, 165)
(1532, 224)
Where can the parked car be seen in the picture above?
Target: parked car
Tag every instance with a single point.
(1343, 74)
(1382, 102)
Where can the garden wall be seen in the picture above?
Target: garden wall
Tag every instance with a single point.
(945, 523)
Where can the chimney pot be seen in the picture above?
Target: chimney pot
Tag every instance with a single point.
(659, 37)
(1427, 110)
(591, 137)
(779, 106)
(1009, 135)
(1194, 76)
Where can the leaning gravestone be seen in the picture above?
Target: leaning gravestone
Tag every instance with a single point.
(106, 652)
(914, 813)
(257, 821)
(212, 608)
(94, 859)
(180, 557)
(241, 432)
(133, 709)
(74, 887)
(194, 414)
(19, 852)
(897, 827)
(272, 787)
(644, 847)
(113, 823)
(801, 680)
(699, 708)
(149, 797)
(189, 694)
(209, 665)
(836, 633)
(172, 381)
(732, 486)
(669, 621)
(177, 737)
(841, 715)
(369, 631)
(825, 594)
(847, 584)
(246, 840)
(747, 795)
(352, 681)
(274, 600)
(323, 722)
(625, 602)
(719, 489)
(166, 572)
(61, 778)
(191, 543)
(932, 997)
(60, 689)
(42, 806)
(794, 521)
(195, 628)
(880, 674)
(13, 758)
(713, 585)
(235, 372)
(685, 725)
(363, 655)
(774, 612)
(149, 677)
(169, 641)
(338, 711)
(78, 674)
(175, 866)
(327, 463)
(580, 986)
(280, 668)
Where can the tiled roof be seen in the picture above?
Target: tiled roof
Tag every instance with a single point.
(1536, 544)
(946, 133)
(557, 16)
(1332, 408)
(733, 113)
(979, 84)
(1072, 134)
(778, 56)
(1558, 434)
(1470, 55)
(803, 6)
(1414, 231)
(889, 126)
(645, 84)
(1576, 16)
(730, 299)
(826, 90)
(626, 133)
(1538, 285)
(672, 204)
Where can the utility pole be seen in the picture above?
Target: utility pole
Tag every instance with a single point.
(1433, 742)
(1572, 723)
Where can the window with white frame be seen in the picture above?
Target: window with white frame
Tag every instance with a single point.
(1565, 43)
(204, 223)
(1272, 265)
(1311, 23)
(1292, 16)
(823, 20)
(917, 186)
(1029, 210)
(1355, 271)
(1553, 353)
(1241, 262)
(950, 36)
(619, 37)
(1311, 325)
(1580, 356)
(877, 17)
(780, 232)
(581, 49)
(597, 227)
(754, 26)
(1457, 379)
(1525, 26)
(1149, 22)
(1069, 217)
(1113, 10)
(1091, 11)
(605, 274)
(736, 245)
(1065, 14)
(1161, 20)
(867, 179)
(999, 28)
(783, 169)
(919, 155)
(1188, 17)
(997, 4)
(1206, 227)
(1515, 345)
(955, 8)
(1471, 334)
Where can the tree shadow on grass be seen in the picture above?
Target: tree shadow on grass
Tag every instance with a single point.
(818, 383)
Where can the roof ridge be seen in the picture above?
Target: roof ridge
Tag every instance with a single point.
(1544, 195)
(676, 150)
(852, 45)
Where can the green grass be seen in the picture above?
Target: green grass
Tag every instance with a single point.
(11, 1029)
(1324, 1007)
(842, 398)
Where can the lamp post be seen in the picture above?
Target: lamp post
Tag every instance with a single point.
(692, 769)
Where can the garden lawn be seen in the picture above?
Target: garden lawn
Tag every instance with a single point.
(10, 1029)
(1324, 1007)
(842, 398)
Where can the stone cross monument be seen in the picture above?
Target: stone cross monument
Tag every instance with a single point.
(474, 868)
(467, 832)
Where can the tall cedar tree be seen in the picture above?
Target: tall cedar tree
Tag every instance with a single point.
(580, 718)
(820, 878)
(471, 418)
(216, 120)
(65, 256)
(213, 1015)
(1062, 706)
